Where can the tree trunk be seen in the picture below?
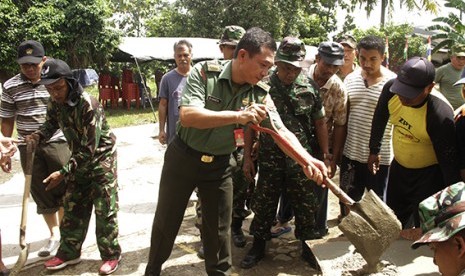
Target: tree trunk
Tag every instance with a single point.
(383, 12)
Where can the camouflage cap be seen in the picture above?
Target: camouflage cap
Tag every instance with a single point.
(291, 50)
(458, 50)
(348, 40)
(231, 35)
(442, 215)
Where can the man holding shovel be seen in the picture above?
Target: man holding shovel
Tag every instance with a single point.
(425, 151)
(24, 102)
(219, 96)
(299, 104)
(90, 171)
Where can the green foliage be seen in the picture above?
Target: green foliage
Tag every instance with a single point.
(396, 37)
(206, 18)
(451, 28)
(9, 15)
(77, 31)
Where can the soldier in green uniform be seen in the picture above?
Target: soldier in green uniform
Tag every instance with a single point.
(219, 98)
(299, 104)
(442, 217)
(90, 172)
(228, 42)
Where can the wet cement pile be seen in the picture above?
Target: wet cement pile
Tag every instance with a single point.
(353, 264)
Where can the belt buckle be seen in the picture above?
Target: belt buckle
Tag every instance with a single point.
(206, 158)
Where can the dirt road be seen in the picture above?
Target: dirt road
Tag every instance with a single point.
(140, 159)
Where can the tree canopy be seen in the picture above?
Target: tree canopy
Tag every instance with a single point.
(77, 31)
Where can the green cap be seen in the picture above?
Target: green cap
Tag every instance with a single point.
(458, 50)
(442, 215)
(231, 35)
(291, 50)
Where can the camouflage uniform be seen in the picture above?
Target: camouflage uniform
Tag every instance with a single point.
(279, 172)
(442, 217)
(91, 173)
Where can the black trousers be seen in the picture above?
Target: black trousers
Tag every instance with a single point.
(408, 187)
(183, 170)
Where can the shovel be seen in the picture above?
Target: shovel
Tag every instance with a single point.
(371, 226)
(22, 258)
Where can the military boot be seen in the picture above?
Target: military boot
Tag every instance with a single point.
(237, 233)
(309, 257)
(255, 254)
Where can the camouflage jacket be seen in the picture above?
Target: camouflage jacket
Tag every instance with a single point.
(305, 99)
(83, 123)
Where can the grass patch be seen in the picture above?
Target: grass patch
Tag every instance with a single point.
(121, 117)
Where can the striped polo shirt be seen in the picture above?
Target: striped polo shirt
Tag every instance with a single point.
(28, 103)
(362, 104)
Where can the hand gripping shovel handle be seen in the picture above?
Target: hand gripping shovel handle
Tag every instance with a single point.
(22, 258)
(303, 162)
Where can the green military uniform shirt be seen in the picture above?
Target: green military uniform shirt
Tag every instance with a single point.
(210, 86)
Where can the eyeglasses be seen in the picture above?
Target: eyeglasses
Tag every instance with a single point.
(56, 87)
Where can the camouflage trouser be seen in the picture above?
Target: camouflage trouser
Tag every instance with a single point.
(97, 187)
(274, 178)
(240, 186)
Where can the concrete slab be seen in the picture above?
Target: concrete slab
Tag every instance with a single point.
(408, 262)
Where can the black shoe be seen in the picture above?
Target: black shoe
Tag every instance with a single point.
(238, 237)
(201, 253)
(309, 257)
(255, 254)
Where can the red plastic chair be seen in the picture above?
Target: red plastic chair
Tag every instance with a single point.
(130, 92)
(130, 89)
(117, 86)
(106, 90)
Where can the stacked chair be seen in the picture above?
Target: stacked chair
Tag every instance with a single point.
(130, 89)
(106, 90)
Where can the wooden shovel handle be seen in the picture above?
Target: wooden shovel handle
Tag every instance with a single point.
(302, 161)
(337, 191)
(30, 149)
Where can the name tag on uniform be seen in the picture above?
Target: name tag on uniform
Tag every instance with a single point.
(214, 99)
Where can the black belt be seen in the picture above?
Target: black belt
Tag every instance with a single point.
(204, 157)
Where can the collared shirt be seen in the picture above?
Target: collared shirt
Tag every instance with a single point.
(28, 103)
(334, 97)
(88, 134)
(210, 86)
(362, 101)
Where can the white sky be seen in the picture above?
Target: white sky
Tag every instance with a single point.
(399, 16)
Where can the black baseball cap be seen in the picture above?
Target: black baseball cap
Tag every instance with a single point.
(30, 51)
(413, 77)
(53, 70)
(331, 53)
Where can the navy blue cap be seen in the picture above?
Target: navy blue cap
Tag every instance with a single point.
(413, 77)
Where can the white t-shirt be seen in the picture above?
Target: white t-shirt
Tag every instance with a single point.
(362, 104)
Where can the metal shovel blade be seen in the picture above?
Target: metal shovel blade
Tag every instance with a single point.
(371, 226)
(22, 258)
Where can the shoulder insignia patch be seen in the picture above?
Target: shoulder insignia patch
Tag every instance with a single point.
(263, 86)
(214, 66)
